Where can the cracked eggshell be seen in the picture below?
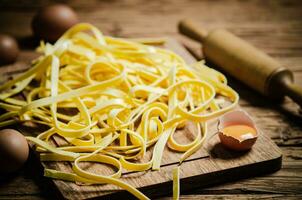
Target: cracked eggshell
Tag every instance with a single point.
(237, 117)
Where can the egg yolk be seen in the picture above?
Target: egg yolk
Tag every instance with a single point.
(239, 132)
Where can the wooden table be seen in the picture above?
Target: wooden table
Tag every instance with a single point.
(273, 26)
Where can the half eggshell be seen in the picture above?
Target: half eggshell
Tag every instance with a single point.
(237, 117)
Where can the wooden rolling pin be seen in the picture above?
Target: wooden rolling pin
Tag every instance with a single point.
(244, 62)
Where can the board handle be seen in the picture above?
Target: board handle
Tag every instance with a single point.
(191, 29)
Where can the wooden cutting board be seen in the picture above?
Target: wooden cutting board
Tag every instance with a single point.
(212, 164)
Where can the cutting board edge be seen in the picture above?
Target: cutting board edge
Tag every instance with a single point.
(202, 180)
(166, 187)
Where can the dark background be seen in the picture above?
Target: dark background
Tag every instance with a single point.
(273, 26)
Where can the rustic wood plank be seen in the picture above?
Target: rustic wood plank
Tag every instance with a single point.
(291, 168)
(239, 197)
(116, 18)
(273, 26)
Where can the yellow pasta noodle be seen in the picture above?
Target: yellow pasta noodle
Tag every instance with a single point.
(110, 100)
(176, 183)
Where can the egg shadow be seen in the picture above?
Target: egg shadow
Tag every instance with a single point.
(8, 177)
(28, 42)
(219, 151)
(5, 178)
(33, 170)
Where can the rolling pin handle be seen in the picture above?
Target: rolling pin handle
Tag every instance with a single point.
(192, 30)
(282, 84)
(294, 92)
(228, 51)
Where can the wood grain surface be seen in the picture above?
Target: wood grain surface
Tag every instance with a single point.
(273, 26)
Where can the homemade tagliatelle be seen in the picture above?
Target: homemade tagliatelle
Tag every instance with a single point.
(111, 100)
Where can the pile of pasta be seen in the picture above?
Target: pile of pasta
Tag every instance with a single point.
(112, 99)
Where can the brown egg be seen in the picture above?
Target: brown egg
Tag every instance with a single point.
(237, 131)
(52, 21)
(9, 49)
(13, 150)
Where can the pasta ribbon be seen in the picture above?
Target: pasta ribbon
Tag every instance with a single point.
(111, 100)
